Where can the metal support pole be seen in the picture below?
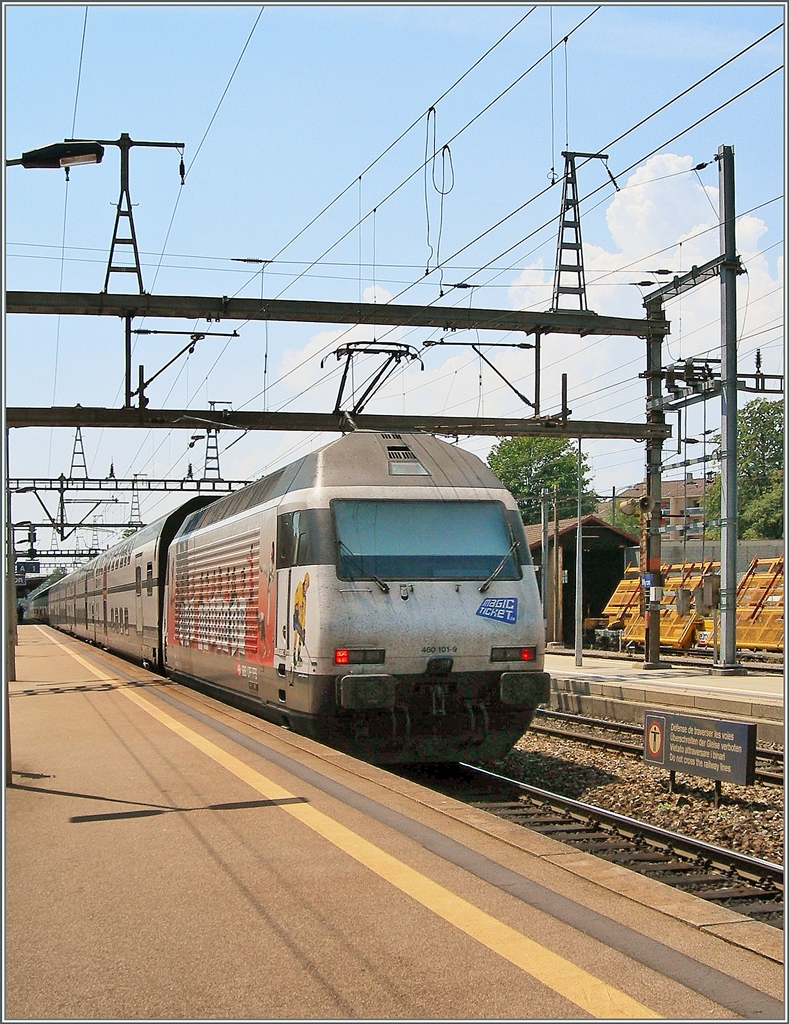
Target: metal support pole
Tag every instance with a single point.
(61, 526)
(10, 672)
(124, 143)
(544, 555)
(579, 588)
(128, 353)
(654, 458)
(555, 630)
(729, 511)
(537, 358)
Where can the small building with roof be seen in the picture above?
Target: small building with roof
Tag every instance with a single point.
(681, 504)
(604, 556)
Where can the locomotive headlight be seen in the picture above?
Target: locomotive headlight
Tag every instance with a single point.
(513, 654)
(350, 656)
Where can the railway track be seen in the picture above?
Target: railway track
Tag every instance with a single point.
(600, 732)
(747, 885)
(756, 662)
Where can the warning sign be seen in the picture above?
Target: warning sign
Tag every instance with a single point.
(710, 747)
(654, 734)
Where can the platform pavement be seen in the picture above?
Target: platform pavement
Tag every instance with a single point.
(147, 879)
(623, 689)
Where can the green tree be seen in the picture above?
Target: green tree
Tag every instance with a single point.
(526, 465)
(630, 524)
(760, 472)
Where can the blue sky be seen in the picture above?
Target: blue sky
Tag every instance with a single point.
(319, 94)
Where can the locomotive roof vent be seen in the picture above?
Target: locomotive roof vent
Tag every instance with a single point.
(400, 451)
(393, 437)
(403, 462)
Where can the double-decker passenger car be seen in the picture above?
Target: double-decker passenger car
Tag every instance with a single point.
(116, 599)
(377, 594)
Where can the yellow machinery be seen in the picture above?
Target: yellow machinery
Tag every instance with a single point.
(760, 607)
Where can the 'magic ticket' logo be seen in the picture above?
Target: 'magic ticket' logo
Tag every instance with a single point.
(503, 609)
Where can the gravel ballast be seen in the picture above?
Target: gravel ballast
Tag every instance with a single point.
(750, 819)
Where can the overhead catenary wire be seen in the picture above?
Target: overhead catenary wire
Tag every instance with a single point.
(416, 171)
(457, 82)
(629, 131)
(452, 139)
(648, 256)
(710, 73)
(389, 266)
(402, 135)
(630, 167)
(610, 145)
(197, 152)
(188, 169)
(63, 237)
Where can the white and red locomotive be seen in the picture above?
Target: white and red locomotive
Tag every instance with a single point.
(377, 594)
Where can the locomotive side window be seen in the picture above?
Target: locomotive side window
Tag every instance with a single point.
(515, 524)
(138, 580)
(149, 578)
(305, 538)
(449, 540)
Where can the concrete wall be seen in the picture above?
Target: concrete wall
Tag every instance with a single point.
(672, 552)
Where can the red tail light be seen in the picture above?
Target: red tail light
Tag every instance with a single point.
(358, 656)
(513, 654)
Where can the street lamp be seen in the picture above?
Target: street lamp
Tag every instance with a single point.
(61, 154)
(57, 154)
(90, 151)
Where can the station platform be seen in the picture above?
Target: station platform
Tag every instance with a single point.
(623, 690)
(171, 857)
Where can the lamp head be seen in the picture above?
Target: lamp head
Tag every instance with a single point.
(62, 154)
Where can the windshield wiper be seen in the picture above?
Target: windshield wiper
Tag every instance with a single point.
(498, 568)
(383, 585)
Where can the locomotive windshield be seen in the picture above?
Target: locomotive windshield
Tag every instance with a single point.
(425, 540)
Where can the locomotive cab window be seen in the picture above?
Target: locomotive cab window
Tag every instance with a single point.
(438, 540)
(304, 538)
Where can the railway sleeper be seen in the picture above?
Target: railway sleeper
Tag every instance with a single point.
(591, 844)
(647, 857)
(743, 884)
(771, 914)
(743, 892)
(573, 829)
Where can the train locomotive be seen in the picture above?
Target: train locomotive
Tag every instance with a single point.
(377, 595)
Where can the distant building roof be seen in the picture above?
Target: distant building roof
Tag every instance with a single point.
(693, 487)
(568, 528)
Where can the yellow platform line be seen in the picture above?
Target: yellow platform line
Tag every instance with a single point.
(557, 973)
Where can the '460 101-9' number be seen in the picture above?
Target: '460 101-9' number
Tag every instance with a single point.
(439, 650)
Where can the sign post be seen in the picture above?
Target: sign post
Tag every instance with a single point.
(710, 747)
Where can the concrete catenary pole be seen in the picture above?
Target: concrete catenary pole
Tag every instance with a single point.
(651, 516)
(556, 631)
(729, 511)
(579, 576)
(10, 651)
(544, 497)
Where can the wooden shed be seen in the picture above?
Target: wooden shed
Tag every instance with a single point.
(603, 565)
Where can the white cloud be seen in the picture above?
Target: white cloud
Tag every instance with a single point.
(663, 217)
